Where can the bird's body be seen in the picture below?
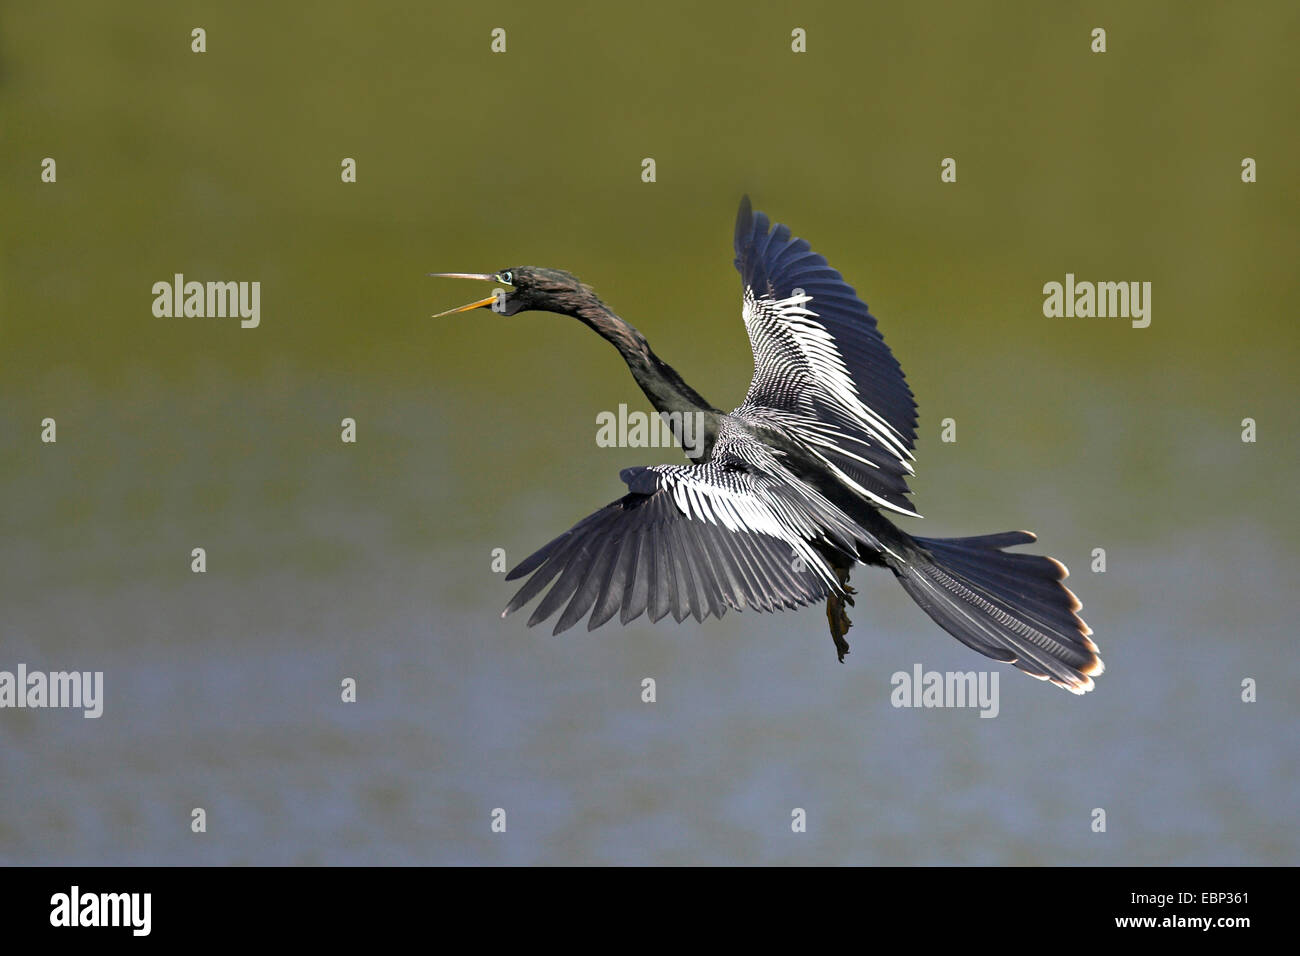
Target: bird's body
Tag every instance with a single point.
(790, 490)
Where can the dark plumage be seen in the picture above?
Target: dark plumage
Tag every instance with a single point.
(791, 488)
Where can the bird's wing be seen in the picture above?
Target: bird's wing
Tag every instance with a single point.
(735, 532)
(822, 371)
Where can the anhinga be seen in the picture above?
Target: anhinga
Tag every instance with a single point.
(789, 490)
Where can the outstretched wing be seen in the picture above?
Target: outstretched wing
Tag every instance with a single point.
(736, 532)
(822, 371)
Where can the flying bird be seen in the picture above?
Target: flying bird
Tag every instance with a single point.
(791, 490)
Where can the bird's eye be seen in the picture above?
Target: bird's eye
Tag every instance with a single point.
(506, 277)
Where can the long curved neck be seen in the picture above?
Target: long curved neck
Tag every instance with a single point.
(667, 391)
(692, 419)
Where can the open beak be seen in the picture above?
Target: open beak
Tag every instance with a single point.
(479, 304)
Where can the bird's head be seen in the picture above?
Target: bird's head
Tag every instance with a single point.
(523, 289)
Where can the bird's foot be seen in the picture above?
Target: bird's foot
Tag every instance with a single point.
(839, 622)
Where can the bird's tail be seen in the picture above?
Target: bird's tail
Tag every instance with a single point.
(1011, 607)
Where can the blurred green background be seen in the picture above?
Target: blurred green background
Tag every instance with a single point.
(477, 432)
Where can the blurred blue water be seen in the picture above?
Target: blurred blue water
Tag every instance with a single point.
(223, 689)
